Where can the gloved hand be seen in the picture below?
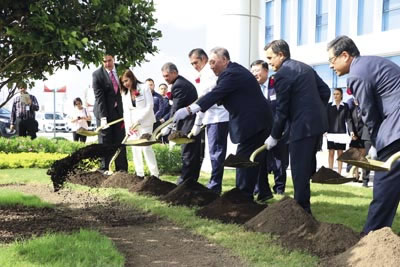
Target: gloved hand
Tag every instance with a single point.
(182, 113)
(372, 153)
(271, 142)
(103, 121)
(12, 127)
(166, 130)
(195, 130)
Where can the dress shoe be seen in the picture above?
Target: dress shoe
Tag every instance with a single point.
(264, 198)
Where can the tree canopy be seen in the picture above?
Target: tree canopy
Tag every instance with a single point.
(41, 36)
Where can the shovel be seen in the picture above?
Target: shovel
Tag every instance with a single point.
(85, 132)
(236, 161)
(109, 172)
(370, 164)
(185, 139)
(154, 137)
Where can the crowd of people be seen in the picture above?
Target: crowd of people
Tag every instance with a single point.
(288, 112)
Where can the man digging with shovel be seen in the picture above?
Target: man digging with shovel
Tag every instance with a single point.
(250, 116)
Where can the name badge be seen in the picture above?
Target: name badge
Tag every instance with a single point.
(272, 97)
(27, 108)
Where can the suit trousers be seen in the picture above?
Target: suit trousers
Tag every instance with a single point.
(385, 200)
(303, 163)
(217, 135)
(191, 164)
(246, 178)
(113, 135)
(277, 162)
(148, 153)
(26, 127)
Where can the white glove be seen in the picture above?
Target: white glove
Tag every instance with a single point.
(166, 130)
(182, 113)
(103, 121)
(195, 130)
(372, 153)
(270, 142)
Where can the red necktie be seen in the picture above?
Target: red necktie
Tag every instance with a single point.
(114, 82)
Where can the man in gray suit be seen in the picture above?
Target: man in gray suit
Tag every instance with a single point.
(301, 97)
(375, 83)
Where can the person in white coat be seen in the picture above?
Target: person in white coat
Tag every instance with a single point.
(137, 102)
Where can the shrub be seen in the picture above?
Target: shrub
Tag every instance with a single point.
(40, 144)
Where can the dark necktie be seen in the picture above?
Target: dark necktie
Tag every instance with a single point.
(114, 82)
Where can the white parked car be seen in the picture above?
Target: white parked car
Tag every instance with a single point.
(46, 122)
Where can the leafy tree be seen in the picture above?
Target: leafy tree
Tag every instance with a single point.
(41, 36)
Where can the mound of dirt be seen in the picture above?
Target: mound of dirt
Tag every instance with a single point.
(92, 179)
(121, 180)
(176, 135)
(329, 176)
(190, 193)
(153, 186)
(231, 207)
(236, 161)
(61, 169)
(352, 154)
(299, 230)
(378, 248)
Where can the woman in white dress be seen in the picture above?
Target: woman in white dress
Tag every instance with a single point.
(79, 119)
(137, 102)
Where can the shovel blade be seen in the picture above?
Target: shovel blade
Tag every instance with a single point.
(141, 142)
(235, 161)
(85, 132)
(182, 140)
(373, 165)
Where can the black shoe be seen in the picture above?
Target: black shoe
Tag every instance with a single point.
(264, 198)
(365, 184)
(280, 193)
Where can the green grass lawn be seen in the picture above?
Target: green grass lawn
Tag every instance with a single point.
(343, 204)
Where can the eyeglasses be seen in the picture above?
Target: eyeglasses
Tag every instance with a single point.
(332, 59)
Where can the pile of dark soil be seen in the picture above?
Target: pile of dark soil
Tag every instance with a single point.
(236, 161)
(176, 135)
(329, 176)
(378, 248)
(352, 154)
(231, 207)
(145, 136)
(92, 179)
(60, 169)
(190, 193)
(121, 180)
(299, 230)
(153, 186)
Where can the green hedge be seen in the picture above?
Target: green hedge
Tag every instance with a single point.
(40, 144)
(22, 152)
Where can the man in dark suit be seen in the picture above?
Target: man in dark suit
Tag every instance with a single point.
(278, 158)
(250, 117)
(183, 94)
(107, 108)
(375, 83)
(302, 97)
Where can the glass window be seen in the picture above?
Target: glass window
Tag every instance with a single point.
(269, 21)
(365, 15)
(321, 27)
(391, 15)
(342, 17)
(325, 73)
(302, 33)
(285, 20)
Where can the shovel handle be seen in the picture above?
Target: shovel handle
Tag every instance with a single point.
(157, 132)
(109, 124)
(190, 135)
(257, 151)
(392, 159)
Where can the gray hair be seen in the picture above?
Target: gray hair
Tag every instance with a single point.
(169, 67)
(220, 52)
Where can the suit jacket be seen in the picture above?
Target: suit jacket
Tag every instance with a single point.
(239, 92)
(105, 96)
(375, 83)
(302, 97)
(143, 110)
(337, 119)
(183, 94)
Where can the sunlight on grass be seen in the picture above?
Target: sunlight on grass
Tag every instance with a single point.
(85, 248)
(21, 176)
(13, 198)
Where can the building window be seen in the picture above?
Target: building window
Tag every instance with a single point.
(321, 29)
(302, 33)
(269, 21)
(391, 15)
(365, 15)
(325, 73)
(285, 20)
(342, 17)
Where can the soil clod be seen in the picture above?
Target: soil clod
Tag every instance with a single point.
(328, 176)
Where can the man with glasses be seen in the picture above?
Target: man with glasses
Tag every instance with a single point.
(375, 83)
(301, 97)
